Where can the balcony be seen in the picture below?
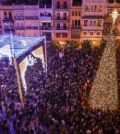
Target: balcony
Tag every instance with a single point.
(20, 28)
(62, 18)
(31, 17)
(48, 6)
(7, 19)
(19, 17)
(32, 28)
(45, 28)
(76, 27)
(100, 14)
(75, 36)
(61, 6)
(88, 27)
(45, 6)
(61, 28)
(8, 29)
(45, 18)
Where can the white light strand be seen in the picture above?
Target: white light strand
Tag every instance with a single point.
(104, 93)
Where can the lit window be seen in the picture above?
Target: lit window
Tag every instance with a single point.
(72, 13)
(85, 22)
(91, 33)
(98, 33)
(58, 35)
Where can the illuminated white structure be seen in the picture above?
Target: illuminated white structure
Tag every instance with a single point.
(114, 15)
(20, 48)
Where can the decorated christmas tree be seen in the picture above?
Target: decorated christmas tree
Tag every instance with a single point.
(104, 93)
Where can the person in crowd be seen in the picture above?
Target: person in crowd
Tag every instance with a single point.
(56, 102)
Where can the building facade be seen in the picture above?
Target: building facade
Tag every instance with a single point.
(46, 21)
(108, 21)
(61, 21)
(93, 13)
(75, 22)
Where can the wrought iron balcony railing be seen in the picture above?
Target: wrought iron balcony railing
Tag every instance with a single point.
(61, 6)
(32, 27)
(19, 17)
(31, 17)
(61, 28)
(45, 28)
(62, 18)
(19, 28)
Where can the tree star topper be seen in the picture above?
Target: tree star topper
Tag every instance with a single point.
(114, 15)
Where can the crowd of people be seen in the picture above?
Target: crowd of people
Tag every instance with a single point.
(56, 101)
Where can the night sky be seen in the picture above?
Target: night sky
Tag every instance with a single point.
(75, 2)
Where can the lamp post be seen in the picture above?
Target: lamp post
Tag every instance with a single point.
(45, 42)
(16, 69)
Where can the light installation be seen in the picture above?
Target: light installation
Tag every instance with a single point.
(104, 93)
(17, 46)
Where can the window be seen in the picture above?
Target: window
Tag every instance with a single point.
(85, 22)
(78, 23)
(58, 35)
(64, 26)
(86, 8)
(41, 14)
(72, 13)
(58, 15)
(98, 33)
(94, 23)
(109, 11)
(49, 14)
(91, 23)
(5, 15)
(65, 16)
(76, 13)
(64, 4)
(49, 25)
(95, 8)
(58, 26)
(58, 4)
(91, 33)
(91, 8)
(75, 34)
(64, 35)
(85, 33)
(100, 8)
(99, 23)
(10, 15)
(73, 24)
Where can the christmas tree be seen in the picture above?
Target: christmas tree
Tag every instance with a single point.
(104, 93)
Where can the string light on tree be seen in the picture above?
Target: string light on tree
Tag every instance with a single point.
(104, 93)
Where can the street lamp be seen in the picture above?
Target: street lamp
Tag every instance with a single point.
(16, 69)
